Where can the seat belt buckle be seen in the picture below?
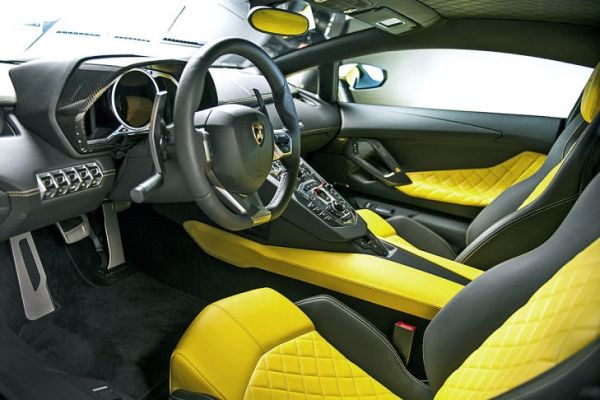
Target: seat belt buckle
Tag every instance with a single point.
(403, 339)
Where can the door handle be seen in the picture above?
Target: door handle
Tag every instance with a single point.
(389, 173)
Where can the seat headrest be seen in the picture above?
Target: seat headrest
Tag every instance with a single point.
(590, 101)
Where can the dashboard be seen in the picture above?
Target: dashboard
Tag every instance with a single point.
(73, 132)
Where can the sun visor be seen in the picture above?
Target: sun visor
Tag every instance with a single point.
(387, 20)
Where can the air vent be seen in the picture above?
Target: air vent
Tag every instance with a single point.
(65, 181)
(75, 33)
(132, 38)
(179, 41)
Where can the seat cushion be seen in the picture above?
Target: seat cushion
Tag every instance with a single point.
(344, 328)
(219, 351)
(259, 345)
(308, 364)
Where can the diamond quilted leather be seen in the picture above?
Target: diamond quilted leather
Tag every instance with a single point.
(308, 367)
(472, 187)
(559, 320)
(584, 12)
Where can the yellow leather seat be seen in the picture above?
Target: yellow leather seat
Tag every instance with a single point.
(528, 328)
(527, 196)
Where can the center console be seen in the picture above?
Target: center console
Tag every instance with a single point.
(321, 240)
(319, 196)
(327, 221)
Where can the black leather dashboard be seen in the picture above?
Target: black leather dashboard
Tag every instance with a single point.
(45, 110)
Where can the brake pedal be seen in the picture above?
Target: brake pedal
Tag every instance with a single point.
(35, 295)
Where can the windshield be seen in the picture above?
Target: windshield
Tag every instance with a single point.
(172, 29)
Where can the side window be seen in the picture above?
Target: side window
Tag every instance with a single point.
(466, 80)
(307, 80)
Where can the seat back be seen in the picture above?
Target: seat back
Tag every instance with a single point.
(525, 215)
(529, 327)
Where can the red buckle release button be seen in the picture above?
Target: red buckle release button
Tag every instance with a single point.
(406, 326)
(403, 339)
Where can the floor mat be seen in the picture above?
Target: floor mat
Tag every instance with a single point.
(123, 334)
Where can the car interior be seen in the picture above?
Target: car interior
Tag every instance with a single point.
(305, 199)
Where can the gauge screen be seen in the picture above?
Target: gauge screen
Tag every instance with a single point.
(133, 95)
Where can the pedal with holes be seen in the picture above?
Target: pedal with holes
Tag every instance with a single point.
(31, 276)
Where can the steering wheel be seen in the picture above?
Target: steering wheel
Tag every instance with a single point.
(226, 152)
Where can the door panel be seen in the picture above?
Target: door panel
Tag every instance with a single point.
(436, 140)
(423, 139)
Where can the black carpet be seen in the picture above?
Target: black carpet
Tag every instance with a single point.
(123, 334)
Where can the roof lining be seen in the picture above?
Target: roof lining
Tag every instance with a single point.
(577, 12)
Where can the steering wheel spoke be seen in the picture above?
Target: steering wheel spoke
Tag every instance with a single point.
(260, 214)
(246, 205)
(234, 201)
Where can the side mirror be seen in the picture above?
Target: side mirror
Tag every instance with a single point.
(362, 76)
(276, 21)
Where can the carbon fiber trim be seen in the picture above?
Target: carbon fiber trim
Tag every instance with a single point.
(85, 85)
(90, 80)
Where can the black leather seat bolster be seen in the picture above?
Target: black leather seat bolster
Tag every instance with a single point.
(363, 344)
(421, 237)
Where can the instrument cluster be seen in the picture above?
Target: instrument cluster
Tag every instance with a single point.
(125, 108)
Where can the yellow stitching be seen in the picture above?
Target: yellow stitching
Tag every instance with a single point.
(24, 193)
